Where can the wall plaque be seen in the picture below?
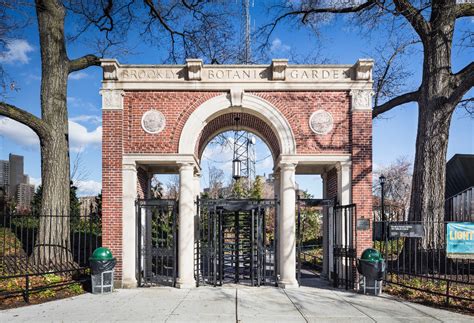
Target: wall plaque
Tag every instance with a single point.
(321, 122)
(153, 121)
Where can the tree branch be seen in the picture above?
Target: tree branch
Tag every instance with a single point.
(83, 62)
(306, 12)
(464, 10)
(421, 26)
(26, 118)
(463, 82)
(399, 100)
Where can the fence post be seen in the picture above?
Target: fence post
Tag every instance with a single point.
(447, 293)
(27, 289)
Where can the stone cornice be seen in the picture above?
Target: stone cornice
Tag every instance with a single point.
(279, 75)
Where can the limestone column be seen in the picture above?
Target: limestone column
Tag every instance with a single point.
(129, 195)
(186, 227)
(344, 183)
(287, 234)
(326, 210)
(197, 185)
(276, 190)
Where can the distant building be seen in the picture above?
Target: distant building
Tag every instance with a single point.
(24, 195)
(460, 188)
(16, 176)
(14, 183)
(4, 174)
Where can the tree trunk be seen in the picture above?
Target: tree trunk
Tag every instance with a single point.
(429, 172)
(53, 244)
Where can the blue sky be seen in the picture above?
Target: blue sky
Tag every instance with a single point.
(339, 42)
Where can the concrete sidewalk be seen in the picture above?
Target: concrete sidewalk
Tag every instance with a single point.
(230, 304)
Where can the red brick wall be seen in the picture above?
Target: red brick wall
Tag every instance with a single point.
(112, 184)
(175, 106)
(362, 172)
(297, 108)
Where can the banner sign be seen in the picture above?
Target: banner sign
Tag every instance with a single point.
(399, 230)
(460, 240)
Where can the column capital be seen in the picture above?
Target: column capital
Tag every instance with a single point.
(343, 165)
(287, 166)
(131, 167)
(186, 166)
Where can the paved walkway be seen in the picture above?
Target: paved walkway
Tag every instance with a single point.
(230, 304)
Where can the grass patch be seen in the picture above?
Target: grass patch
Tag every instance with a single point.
(421, 290)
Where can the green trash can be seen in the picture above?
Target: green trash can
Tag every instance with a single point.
(102, 265)
(371, 267)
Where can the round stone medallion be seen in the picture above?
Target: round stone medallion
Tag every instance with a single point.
(321, 122)
(153, 121)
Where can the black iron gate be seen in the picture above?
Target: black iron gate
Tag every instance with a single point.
(236, 242)
(157, 242)
(308, 212)
(344, 246)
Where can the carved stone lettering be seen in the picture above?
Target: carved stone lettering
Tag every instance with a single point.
(153, 121)
(321, 122)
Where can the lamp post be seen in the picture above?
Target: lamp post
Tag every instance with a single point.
(236, 167)
(382, 184)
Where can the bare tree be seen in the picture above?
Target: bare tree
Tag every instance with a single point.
(216, 184)
(186, 26)
(441, 89)
(397, 188)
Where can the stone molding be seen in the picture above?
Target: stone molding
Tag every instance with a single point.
(222, 104)
(112, 99)
(278, 69)
(321, 122)
(236, 96)
(361, 99)
(279, 75)
(153, 121)
(194, 67)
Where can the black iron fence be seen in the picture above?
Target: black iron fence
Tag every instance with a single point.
(460, 207)
(39, 252)
(416, 257)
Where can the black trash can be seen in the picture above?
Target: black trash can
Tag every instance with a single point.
(102, 271)
(371, 267)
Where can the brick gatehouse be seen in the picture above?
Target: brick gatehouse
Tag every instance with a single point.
(316, 119)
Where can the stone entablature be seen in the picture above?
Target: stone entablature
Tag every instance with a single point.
(279, 74)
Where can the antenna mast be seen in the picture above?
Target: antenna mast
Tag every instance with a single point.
(244, 141)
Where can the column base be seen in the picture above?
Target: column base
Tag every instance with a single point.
(129, 283)
(288, 284)
(185, 285)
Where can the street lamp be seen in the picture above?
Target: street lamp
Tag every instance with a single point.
(382, 184)
(236, 167)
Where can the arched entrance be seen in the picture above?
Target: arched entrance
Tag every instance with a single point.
(157, 119)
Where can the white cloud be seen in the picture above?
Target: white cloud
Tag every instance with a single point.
(78, 75)
(18, 133)
(278, 46)
(17, 52)
(35, 181)
(87, 118)
(88, 188)
(75, 102)
(80, 137)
